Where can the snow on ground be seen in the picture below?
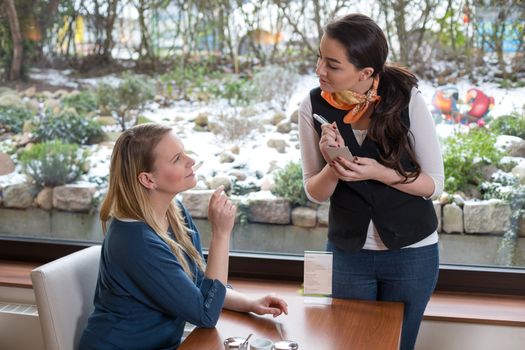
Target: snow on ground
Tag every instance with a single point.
(255, 156)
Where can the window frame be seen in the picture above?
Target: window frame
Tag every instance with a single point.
(452, 278)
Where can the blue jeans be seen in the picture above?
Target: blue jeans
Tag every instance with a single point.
(406, 275)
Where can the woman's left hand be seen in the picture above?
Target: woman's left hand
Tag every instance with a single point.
(359, 169)
(269, 304)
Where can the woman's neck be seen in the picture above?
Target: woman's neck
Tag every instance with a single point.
(160, 203)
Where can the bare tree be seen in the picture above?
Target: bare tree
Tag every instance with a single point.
(16, 37)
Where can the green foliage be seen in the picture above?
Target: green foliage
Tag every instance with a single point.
(84, 102)
(512, 124)
(236, 89)
(53, 163)
(289, 184)
(186, 80)
(465, 154)
(448, 31)
(240, 188)
(132, 94)
(68, 127)
(12, 119)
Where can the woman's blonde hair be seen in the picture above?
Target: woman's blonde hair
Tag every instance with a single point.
(127, 198)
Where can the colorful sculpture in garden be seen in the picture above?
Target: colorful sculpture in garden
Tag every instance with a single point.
(474, 108)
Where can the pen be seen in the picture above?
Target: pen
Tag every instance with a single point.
(320, 119)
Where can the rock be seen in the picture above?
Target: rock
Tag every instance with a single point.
(491, 216)
(239, 175)
(277, 118)
(226, 157)
(278, 144)
(270, 211)
(322, 214)
(7, 166)
(444, 198)
(294, 118)
(284, 127)
(19, 195)
(304, 217)
(61, 93)
(488, 170)
(197, 202)
(74, 197)
(201, 120)
(519, 171)
(44, 199)
(220, 180)
(457, 199)
(11, 100)
(235, 149)
(508, 143)
(452, 218)
(267, 183)
(437, 209)
(29, 92)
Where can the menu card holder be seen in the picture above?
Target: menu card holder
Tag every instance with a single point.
(317, 277)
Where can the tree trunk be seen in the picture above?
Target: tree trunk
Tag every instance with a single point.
(18, 50)
(110, 22)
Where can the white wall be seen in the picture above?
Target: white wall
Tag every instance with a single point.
(19, 331)
(438, 335)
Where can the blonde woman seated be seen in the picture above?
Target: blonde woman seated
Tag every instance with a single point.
(152, 276)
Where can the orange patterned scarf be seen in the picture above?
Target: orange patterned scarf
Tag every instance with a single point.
(355, 103)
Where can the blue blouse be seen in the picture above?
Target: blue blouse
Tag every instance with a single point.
(143, 296)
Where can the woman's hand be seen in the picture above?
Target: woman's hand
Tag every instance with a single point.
(221, 213)
(330, 137)
(269, 304)
(360, 169)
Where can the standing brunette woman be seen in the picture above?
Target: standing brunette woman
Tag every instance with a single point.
(382, 224)
(152, 276)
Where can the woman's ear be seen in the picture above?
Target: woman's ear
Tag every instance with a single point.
(146, 180)
(366, 73)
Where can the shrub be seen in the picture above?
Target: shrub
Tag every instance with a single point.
(234, 88)
(274, 83)
(52, 163)
(289, 184)
(465, 154)
(84, 102)
(233, 128)
(12, 119)
(503, 186)
(512, 124)
(68, 127)
(132, 94)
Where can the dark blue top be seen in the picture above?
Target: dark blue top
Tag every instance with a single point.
(143, 296)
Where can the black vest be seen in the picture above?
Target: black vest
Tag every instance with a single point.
(401, 219)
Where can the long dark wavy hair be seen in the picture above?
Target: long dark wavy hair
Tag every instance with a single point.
(366, 46)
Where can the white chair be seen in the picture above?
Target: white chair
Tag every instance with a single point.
(64, 291)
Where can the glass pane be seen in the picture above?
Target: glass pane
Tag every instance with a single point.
(231, 88)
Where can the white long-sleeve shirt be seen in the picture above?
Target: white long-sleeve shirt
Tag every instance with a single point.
(424, 140)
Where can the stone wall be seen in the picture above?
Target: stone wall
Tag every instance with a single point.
(469, 217)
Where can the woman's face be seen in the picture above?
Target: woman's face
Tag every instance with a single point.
(173, 171)
(334, 70)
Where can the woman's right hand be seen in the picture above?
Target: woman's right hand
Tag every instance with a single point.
(221, 213)
(330, 137)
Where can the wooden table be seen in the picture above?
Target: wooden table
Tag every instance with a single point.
(345, 324)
